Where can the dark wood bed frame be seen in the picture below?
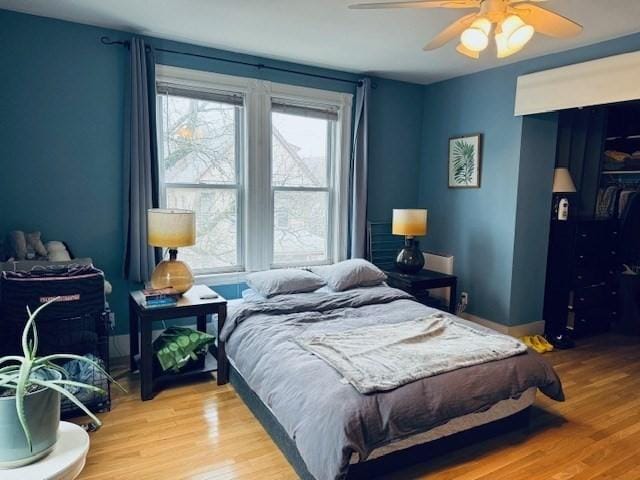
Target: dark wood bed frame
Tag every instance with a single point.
(379, 466)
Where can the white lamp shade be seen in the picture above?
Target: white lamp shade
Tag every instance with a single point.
(476, 37)
(512, 35)
(502, 45)
(409, 222)
(171, 228)
(562, 181)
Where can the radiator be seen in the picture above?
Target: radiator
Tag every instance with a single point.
(442, 263)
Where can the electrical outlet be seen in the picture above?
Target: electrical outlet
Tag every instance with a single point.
(464, 298)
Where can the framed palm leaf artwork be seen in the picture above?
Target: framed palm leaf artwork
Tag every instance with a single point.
(464, 161)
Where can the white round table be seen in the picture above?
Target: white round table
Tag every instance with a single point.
(65, 462)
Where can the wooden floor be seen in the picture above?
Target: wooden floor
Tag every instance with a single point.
(202, 431)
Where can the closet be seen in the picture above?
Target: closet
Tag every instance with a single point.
(594, 256)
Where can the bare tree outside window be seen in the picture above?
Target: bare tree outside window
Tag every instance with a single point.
(200, 166)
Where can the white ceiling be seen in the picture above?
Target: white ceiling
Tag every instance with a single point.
(324, 33)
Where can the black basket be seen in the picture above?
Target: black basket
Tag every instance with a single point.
(86, 336)
(78, 324)
(80, 291)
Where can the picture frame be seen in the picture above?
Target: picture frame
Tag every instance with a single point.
(465, 161)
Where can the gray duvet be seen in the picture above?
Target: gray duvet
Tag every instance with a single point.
(328, 419)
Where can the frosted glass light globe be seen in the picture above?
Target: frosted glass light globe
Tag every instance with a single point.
(476, 37)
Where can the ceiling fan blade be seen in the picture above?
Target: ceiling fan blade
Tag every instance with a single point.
(452, 31)
(547, 22)
(419, 4)
(466, 52)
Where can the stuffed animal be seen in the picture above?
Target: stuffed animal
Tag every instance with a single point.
(34, 243)
(57, 251)
(26, 246)
(17, 245)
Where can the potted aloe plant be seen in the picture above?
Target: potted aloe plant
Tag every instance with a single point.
(30, 390)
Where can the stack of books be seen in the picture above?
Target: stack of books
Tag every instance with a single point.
(160, 297)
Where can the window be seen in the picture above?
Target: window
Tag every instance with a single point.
(302, 156)
(263, 165)
(200, 150)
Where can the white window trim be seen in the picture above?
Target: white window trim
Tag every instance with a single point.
(258, 95)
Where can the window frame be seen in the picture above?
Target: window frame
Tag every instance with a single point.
(255, 193)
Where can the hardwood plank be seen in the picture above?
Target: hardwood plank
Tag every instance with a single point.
(202, 431)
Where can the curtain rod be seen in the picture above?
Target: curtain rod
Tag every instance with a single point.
(260, 66)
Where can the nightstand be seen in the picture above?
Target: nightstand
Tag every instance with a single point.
(417, 284)
(141, 320)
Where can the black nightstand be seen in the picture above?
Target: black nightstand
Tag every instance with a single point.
(417, 284)
(189, 305)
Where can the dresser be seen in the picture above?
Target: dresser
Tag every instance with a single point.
(583, 273)
(593, 300)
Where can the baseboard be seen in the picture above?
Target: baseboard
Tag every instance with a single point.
(532, 328)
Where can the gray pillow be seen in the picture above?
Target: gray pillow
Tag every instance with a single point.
(250, 295)
(287, 280)
(350, 274)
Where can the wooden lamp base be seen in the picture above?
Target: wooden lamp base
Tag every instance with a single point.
(172, 273)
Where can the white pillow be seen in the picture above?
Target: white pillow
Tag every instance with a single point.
(353, 273)
(286, 280)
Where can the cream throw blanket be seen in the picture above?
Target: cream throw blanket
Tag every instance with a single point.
(384, 357)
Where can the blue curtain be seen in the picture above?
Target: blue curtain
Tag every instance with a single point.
(358, 174)
(141, 162)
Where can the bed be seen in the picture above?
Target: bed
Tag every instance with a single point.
(328, 429)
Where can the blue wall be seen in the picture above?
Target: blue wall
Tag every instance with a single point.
(531, 240)
(61, 135)
(394, 147)
(485, 229)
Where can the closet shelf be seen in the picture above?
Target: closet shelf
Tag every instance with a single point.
(620, 172)
(627, 137)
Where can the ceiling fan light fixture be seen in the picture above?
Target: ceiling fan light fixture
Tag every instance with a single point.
(502, 45)
(521, 36)
(517, 33)
(466, 52)
(476, 37)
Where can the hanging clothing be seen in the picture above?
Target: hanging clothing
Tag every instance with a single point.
(625, 196)
(607, 200)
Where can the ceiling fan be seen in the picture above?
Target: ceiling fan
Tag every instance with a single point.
(515, 23)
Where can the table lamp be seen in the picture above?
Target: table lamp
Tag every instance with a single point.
(171, 228)
(410, 223)
(562, 185)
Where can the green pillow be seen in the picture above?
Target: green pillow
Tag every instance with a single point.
(177, 345)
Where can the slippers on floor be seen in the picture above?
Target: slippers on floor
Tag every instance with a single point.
(537, 343)
(544, 342)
